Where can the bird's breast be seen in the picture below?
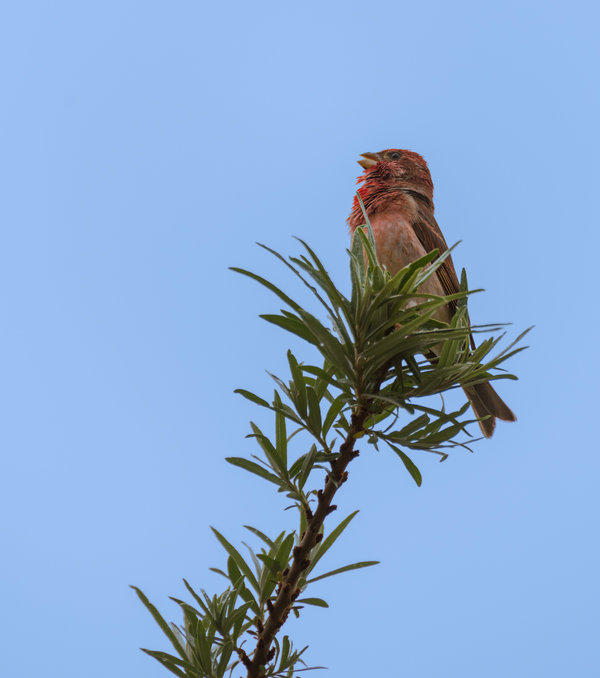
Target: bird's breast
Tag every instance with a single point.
(397, 246)
(395, 239)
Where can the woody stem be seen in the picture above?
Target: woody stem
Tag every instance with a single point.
(289, 591)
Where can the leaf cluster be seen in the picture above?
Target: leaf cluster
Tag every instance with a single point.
(210, 643)
(383, 352)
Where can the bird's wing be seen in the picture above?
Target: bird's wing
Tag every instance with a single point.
(430, 236)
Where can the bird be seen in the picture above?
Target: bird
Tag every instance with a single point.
(397, 192)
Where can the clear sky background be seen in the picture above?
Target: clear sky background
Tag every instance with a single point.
(145, 147)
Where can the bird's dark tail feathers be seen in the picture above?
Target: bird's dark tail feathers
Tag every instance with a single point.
(485, 401)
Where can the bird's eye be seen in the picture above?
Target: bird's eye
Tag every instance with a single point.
(394, 156)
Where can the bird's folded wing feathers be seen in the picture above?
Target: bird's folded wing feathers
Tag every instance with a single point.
(430, 236)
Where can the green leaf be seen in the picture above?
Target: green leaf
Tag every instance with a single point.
(414, 425)
(280, 433)
(299, 275)
(236, 619)
(336, 301)
(322, 548)
(262, 535)
(409, 464)
(335, 408)
(283, 552)
(291, 324)
(165, 628)
(346, 568)
(369, 248)
(252, 397)
(327, 343)
(314, 411)
(197, 598)
(257, 469)
(367, 221)
(202, 647)
(235, 575)
(169, 662)
(226, 652)
(239, 561)
(257, 566)
(299, 393)
(307, 466)
(326, 377)
(270, 452)
(271, 563)
(247, 596)
(273, 288)
(285, 651)
(318, 602)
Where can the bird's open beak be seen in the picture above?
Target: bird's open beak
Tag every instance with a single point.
(368, 160)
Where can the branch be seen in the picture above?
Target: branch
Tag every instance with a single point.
(378, 334)
(288, 589)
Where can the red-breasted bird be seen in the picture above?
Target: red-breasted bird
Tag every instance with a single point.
(397, 192)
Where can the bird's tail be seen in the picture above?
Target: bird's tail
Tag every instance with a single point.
(485, 401)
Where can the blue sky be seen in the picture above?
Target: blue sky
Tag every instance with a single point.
(145, 147)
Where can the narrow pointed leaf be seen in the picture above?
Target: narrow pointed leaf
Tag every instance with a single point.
(346, 568)
(262, 535)
(328, 542)
(168, 661)
(318, 602)
(252, 397)
(158, 618)
(239, 561)
(409, 464)
(257, 469)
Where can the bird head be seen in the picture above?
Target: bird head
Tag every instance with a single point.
(393, 166)
(395, 160)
